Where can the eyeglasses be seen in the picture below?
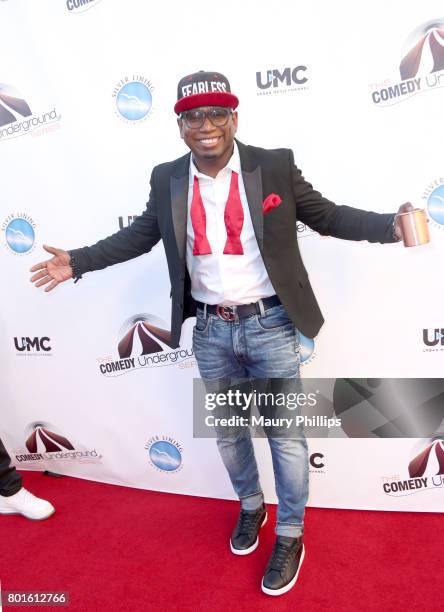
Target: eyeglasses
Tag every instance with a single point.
(195, 119)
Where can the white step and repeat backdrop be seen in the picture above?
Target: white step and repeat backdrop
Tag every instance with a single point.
(87, 90)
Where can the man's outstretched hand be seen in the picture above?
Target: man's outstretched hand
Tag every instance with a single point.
(402, 209)
(54, 270)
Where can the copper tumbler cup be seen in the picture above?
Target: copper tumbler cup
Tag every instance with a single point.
(414, 227)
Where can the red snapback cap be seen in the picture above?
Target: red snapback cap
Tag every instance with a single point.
(204, 89)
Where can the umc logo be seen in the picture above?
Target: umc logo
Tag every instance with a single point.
(317, 463)
(275, 80)
(434, 339)
(32, 345)
(130, 219)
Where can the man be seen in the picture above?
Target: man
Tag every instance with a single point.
(14, 498)
(227, 215)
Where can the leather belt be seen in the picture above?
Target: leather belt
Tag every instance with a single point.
(229, 313)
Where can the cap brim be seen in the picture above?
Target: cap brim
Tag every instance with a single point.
(219, 98)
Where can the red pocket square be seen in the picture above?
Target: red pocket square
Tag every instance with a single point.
(270, 202)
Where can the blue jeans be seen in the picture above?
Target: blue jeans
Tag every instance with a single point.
(259, 347)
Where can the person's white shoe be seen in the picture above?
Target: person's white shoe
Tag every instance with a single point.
(27, 504)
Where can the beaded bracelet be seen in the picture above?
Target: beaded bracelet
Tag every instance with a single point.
(76, 274)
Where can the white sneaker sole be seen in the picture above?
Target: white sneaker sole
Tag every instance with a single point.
(290, 585)
(247, 551)
(30, 518)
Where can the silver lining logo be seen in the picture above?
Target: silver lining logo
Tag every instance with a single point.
(165, 454)
(19, 234)
(134, 98)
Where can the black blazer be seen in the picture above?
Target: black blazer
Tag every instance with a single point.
(264, 172)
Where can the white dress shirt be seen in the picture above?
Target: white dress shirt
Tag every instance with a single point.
(217, 278)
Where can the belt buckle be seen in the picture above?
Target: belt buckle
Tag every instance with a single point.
(226, 313)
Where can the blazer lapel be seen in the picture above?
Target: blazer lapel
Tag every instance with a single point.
(252, 177)
(179, 203)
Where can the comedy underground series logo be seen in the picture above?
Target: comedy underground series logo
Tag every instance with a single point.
(80, 6)
(45, 443)
(19, 117)
(421, 67)
(144, 341)
(424, 471)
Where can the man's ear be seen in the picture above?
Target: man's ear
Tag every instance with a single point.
(180, 124)
(235, 118)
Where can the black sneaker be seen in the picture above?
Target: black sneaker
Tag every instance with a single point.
(244, 538)
(283, 567)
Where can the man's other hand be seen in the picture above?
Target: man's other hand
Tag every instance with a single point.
(402, 209)
(54, 270)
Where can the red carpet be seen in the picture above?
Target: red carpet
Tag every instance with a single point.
(115, 548)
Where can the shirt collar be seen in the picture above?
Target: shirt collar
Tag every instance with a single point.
(233, 165)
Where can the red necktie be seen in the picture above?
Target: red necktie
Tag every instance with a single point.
(199, 222)
(233, 217)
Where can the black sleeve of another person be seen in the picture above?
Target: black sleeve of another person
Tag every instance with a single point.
(10, 479)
